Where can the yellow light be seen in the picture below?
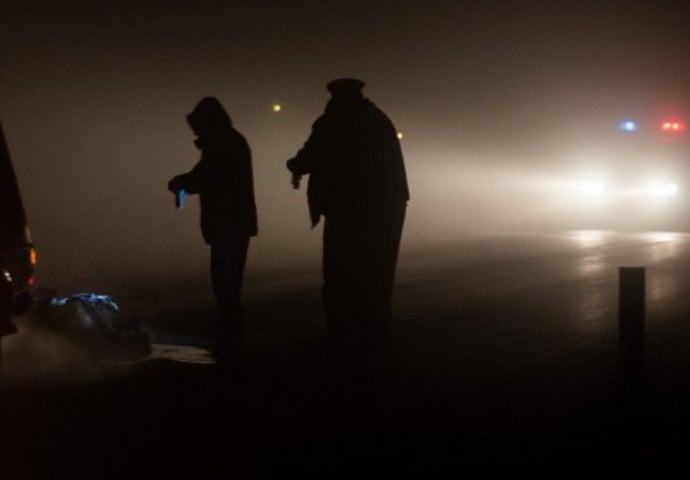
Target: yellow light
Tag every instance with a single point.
(277, 107)
(400, 136)
(33, 257)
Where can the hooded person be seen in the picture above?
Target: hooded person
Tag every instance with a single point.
(358, 184)
(223, 180)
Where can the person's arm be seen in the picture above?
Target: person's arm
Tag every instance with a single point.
(307, 157)
(190, 182)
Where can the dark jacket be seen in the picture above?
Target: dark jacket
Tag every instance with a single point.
(222, 177)
(354, 159)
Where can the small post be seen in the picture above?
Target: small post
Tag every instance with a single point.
(631, 308)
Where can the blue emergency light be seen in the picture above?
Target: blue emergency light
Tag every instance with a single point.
(628, 126)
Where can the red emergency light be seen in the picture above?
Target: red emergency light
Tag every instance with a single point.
(673, 126)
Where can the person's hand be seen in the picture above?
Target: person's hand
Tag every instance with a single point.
(175, 184)
(290, 164)
(296, 177)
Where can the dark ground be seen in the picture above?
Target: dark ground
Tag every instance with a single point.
(504, 357)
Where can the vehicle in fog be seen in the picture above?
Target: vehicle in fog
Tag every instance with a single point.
(17, 253)
(636, 176)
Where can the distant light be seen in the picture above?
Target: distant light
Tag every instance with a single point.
(628, 126)
(673, 126)
(30, 282)
(277, 107)
(400, 136)
(33, 257)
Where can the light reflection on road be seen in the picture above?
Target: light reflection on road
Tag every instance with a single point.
(602, 253)
(594, 303)
(664, 284)
(663, 245)
(548, 291)
(590, 241)
(589, 238)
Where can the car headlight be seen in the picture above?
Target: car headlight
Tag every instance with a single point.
(592, 188)
(666, 189)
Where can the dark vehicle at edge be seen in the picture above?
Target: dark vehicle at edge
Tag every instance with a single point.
(17, 254)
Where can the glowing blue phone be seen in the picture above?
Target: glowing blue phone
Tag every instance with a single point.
(179, 198)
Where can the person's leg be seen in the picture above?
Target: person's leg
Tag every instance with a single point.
(384, 229)
(332, 290)
(228, 260)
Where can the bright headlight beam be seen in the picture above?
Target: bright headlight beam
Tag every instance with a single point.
(592, 189)
(663, 189)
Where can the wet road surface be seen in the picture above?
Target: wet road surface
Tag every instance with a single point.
(504, 356)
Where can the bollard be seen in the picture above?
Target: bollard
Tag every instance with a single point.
(631, 319)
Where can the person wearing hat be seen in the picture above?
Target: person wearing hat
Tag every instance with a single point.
(224, 181)
(357, 182)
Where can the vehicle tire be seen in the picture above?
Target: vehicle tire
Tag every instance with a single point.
(6, 308)
(5, 312)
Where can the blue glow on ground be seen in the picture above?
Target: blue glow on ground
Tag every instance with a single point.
(93, 298)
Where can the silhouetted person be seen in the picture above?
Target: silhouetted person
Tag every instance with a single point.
(358, 184)
(223, 179)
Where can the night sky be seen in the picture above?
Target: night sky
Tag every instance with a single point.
(488, 95)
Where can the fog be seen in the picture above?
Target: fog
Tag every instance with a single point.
(497, 106)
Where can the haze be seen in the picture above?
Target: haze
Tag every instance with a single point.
(493, 98)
